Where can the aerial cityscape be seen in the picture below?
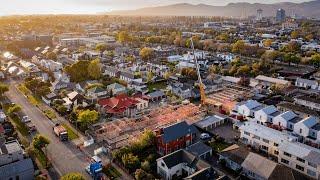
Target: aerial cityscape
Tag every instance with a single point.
(160, 90)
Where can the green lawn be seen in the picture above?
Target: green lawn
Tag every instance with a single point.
(32, 99)
(50, 114)
(111, 172)
(71, 134)
(219, 146)
(157, 86)
(21, 127)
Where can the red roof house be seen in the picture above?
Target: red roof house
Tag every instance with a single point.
(121, 105)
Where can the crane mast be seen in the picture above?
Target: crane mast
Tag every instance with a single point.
(201, 85)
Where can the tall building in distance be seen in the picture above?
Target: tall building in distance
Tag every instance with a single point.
(259, 14)
(281, 15)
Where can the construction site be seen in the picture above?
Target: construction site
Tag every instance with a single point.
(227, 97)
(118, 133)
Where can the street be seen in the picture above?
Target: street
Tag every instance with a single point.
(65, 157)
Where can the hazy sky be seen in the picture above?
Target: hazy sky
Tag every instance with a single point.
(9, 7)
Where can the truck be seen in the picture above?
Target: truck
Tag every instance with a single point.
(60, 132)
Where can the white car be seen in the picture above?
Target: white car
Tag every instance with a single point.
(205, 136)
(26, 119)
(88, 170)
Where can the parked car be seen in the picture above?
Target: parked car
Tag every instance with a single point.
(205, 136)
(26, 119)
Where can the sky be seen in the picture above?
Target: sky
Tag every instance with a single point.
(12, 7)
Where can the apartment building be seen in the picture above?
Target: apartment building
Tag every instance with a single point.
(283, 146)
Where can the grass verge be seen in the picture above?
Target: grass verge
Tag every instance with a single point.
(71, 134)
(50, 114)
(32, 99)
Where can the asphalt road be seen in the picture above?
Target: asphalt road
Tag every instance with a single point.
(65, 157)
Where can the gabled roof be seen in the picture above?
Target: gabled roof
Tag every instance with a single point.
(96, 89)
(309, 121)
(235, 153)
(198, 148)
(259, 165)
(269, 110)
(117, 104)
(251, 104)
(177, 131)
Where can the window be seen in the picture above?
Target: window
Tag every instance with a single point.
(287, 154)
(276, 152)
(276, 144)
(301, 160)
(265, 140)
(299, 167)
(246, 133)
(312, 165)
(284, 161)
(311, 173)
(162, 164)
(300, 131)
(256, 137)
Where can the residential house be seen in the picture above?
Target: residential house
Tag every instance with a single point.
(234, 156)
(156, 96)
(286, 120)
(174, 137)
(304, 127)
(312, 102)
(260, 168)
(248, 108)
(183, 164)
(138, 85)
(51, 65)
(122, 106)
(182, 90)
(300, 157)
(308, 84)
(266, 114)
(116, 89)
(200, 150)
(263, 138)
(269, 81)
(49, 98)
(127, 76)
(74, 99)
(111, 71)
(13, 164)
(96, 92)
(211, 122)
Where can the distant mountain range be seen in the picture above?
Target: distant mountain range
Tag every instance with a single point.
(306, 9)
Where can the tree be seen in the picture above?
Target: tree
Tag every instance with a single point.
(244, 82)
(145, 165)
(267, 42)
(40, 141)
(243, 70)
(87, 117)
(94, 69)
(123, 37)
(101, 48)
(213, 69)
(14, 109)
(130, 161)
(3, 88)
(146, 53)
(315, 60)
(238, 47)
(140, 174)
(294, 34)
(167, 75)
(130, 59)
(78, 71)
(292, 58)
(150, 76)
(309, 37)
(51, 55)
(72, 176)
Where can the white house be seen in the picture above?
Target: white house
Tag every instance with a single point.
(180, 162)
(268, 81)
(286, 120)
(248, 108)
(266, 114)
(303, 127)
(306, 83)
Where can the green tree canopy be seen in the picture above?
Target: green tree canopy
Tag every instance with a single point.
(146, 53)
(78, 71)
(13, 109)
(315, 60)
(130, 161)
(40, 141)
(94, 69)
(87, 117)
(72, 176)
(3, 88)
